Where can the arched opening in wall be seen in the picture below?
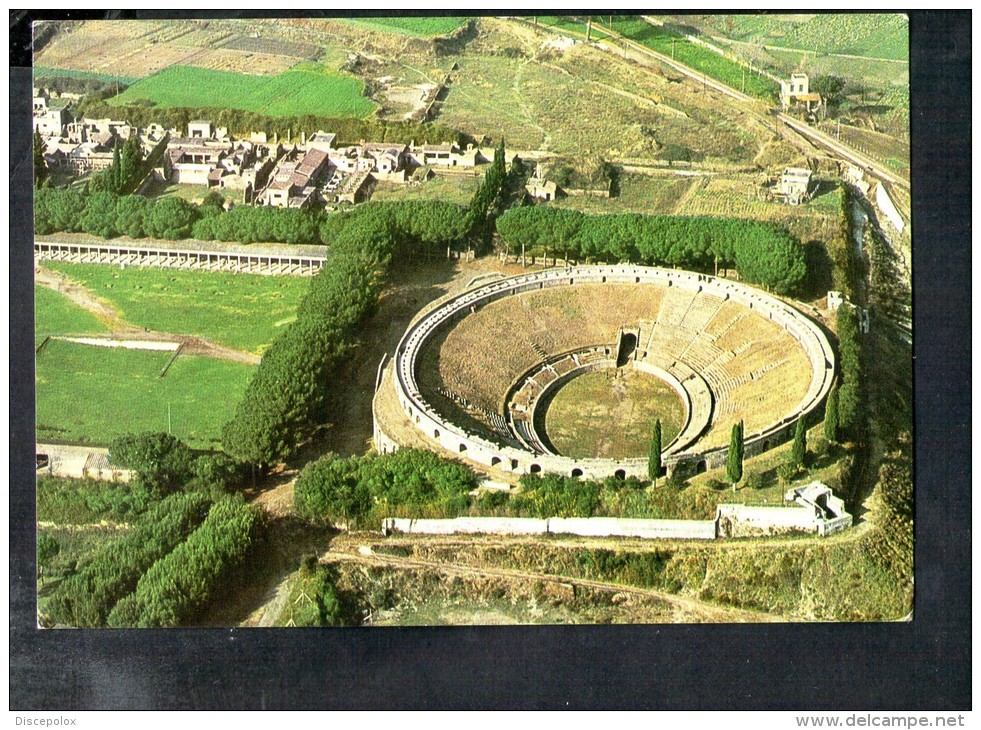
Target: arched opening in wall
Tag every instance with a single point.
(463, 447)
(435, 433)
(636, 280)
(604, 279)
(514, 464)
(571, 282)
(577, 472)
(535, 469)
(700, 467)
(620, 474)
(417, 418)
(495, 460)
(628, 343)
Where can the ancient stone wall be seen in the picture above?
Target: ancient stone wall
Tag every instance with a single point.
(480, 449)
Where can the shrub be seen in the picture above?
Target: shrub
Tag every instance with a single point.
(362, 490)
(315, 600)
(87, 598)
(163, 463)
(552, 495)
(492, 499)
(81, 501)
(788, 472)
(178, 586)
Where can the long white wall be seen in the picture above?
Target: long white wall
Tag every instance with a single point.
(732, 520)
(586, 527)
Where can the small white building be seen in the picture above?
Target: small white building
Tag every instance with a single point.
(798, 91)
(794, 186)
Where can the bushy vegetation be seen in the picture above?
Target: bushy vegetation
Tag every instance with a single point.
(164, 464)
(315, 600)
(487, 202)
(430, 224)
(850, 413)
(85, 501)
(86, 598)
(360, 491)
(303, 89)
(553, 495)
(763, 253)
(178, 586)
(129, 168)
(845, 271)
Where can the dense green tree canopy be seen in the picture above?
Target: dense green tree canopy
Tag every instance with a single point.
(363, 490)
(762, 253)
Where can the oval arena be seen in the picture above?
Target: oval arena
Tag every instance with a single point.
(473, 375)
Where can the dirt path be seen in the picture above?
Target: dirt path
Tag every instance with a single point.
(121, 329)
(78, 294)
(698, 610)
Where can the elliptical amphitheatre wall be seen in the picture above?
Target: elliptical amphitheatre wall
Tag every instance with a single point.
(498, 455)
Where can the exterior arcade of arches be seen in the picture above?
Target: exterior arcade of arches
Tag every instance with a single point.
(726, 349)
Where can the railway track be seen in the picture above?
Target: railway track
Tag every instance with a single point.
(751, 106)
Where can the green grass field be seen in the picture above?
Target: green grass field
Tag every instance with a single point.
(93, 394)
(54, 314)
(697, 57)
(561, 22)
(46, 72)
(307, 88)
(426, 27)
(596, 416)
(237, 310)
(883, 35)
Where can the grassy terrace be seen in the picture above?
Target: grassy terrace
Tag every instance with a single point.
(698, 57)
(426, 27)
(237, 310)
(307, 88)
(47, 72)
(564, 23)
(883, 35)
(56, 315)
(94, 394)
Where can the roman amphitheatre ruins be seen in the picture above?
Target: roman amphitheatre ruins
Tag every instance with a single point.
(476, 373)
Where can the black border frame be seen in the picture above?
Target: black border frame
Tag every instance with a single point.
(922, 664)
